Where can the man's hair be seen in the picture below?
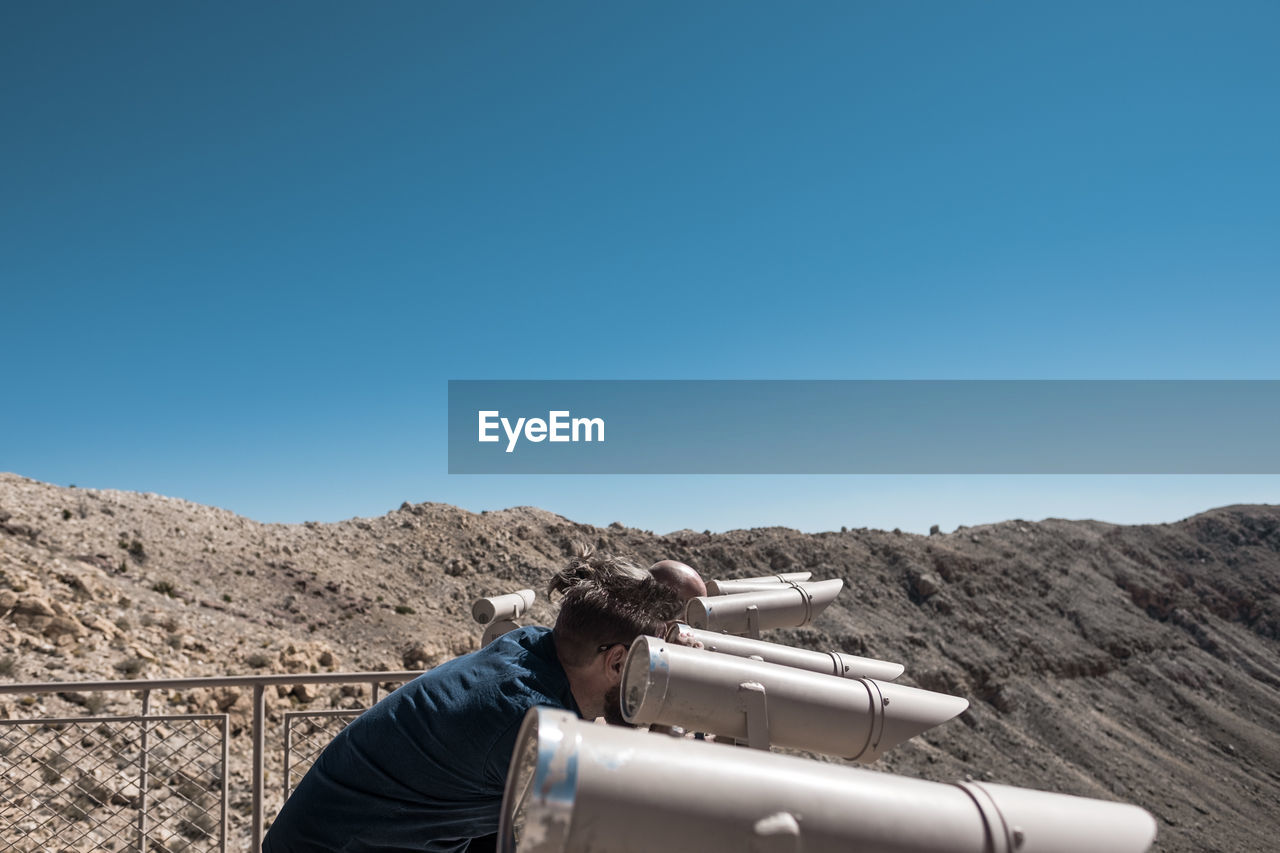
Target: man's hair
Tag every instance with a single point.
(607, 600)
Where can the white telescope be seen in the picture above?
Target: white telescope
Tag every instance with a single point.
(767, 705)
(576, 786)
(499, 612)
(790, 606)
(496, 629)
(828, 663)
(736, 587)
(784, 577)
(510, 606)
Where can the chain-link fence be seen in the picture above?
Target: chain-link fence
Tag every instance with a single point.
(101, 783)
(306, 734)
(160, 783)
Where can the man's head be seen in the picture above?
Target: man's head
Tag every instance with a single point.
(608, 602)
(681, 577)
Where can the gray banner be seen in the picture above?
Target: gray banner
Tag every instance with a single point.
(864, 427)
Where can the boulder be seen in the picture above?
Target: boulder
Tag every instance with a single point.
(294, 662)
(67, 627)
(924, 584)
(33, 606)
(100, 624)
(227, 698)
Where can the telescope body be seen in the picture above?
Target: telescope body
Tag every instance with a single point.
(736, 587)
(496, 629)
(771, 705)
(576, 786)
(497, 607)
(828, 663)
(787, 606)
(784, 577)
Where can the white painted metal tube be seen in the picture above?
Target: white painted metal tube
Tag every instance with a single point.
(790, 606)
(858, 719)
(737, 587)
(828, 663)
(575, 786)
(511, 606)
(496, 629)
(784, 577)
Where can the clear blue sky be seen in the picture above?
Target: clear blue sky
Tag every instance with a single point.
(243, 246)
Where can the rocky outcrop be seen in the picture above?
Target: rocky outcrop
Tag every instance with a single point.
(1138, 663)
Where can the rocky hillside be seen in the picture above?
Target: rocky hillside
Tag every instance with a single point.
(1134, 663)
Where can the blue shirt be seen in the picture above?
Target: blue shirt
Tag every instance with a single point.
(424, 769)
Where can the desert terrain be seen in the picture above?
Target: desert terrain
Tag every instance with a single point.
(1137, 663)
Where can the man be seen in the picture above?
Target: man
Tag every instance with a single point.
(424, 769)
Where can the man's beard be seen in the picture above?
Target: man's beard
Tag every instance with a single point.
(613, 707)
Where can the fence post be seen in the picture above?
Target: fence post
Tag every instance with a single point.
(143, 746)
(288, 750)
(226, 777)
(259, 761)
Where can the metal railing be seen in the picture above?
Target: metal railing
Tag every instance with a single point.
(155, 782)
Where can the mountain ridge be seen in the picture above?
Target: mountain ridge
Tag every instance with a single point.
(1132, 662)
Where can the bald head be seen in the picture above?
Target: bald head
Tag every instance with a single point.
(682, 578)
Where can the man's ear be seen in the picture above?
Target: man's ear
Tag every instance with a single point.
(615, 658)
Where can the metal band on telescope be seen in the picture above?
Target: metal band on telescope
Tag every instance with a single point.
(876, 730)
(808, 602)
(1002, 840)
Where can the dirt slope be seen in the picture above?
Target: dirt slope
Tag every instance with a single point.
(1134, 663)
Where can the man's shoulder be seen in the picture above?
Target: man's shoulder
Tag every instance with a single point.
(518, 664)
(528, 637)
(466, 705)
(511, 671)
(472, 705)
